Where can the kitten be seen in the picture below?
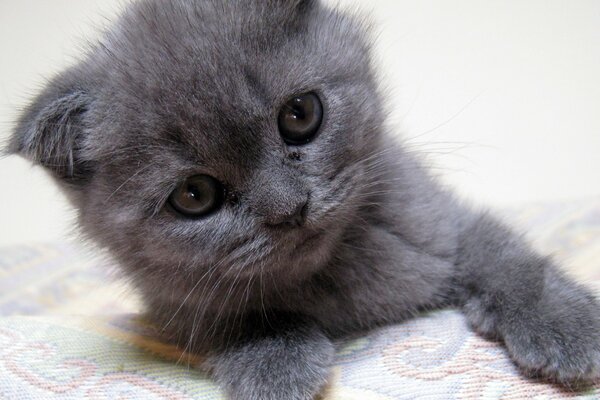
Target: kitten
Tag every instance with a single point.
(232, 157)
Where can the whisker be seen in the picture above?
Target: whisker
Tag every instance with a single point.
(128, 180)
(448, 120)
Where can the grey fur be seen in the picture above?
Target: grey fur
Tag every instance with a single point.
(178, 88)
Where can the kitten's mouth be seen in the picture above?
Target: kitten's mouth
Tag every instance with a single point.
(298, 241)
(312, 239)
(292, 252)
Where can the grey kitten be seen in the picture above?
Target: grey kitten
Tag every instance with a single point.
(232, 157)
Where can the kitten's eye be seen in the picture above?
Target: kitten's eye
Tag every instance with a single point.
(197, 196)
(300, 118)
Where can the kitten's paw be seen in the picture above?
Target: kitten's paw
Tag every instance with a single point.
(563, 361)
(294, 366)
(562, 345)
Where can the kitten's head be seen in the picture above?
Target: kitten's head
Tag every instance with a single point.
(205, 133)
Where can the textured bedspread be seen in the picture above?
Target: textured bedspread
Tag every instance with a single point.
(68, 330)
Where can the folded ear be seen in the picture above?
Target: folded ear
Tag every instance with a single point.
(290, 15)
(52, 130)
(295, 7)
(299, 4)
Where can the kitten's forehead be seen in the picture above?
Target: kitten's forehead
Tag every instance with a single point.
(185, 57)
(216, 38)
(216, 46)
(201, 68)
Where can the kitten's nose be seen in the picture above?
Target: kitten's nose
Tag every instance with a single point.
(292, 216)
(279, 197)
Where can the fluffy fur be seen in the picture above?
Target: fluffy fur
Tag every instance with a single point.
(177, 88)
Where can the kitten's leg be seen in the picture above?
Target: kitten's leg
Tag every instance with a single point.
(290, 359)
(551, 325)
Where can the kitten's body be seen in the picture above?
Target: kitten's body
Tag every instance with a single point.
(181, 88)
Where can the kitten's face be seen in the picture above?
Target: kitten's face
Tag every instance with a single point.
(197, 89)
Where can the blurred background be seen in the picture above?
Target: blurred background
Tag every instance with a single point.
(502, 96)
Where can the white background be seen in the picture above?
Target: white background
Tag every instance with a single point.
(504, 96)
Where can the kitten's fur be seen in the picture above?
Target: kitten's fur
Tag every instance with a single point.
(178, 88)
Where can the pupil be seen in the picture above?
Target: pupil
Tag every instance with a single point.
(299, 112)
(194, 193)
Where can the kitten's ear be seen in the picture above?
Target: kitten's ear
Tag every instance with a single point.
(52, 129)
(297, 5)
(301, 4)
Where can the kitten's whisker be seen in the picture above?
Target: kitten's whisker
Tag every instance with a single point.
(189, 342)
(212, 328)
(450, 119)
(244, 300)
(213, 290)
(128, 180)
(262, 298)
(210, 270)
(429, 143)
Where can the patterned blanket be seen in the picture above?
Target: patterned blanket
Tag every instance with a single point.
(69, 330)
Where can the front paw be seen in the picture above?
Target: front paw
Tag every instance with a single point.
(560, 342)
(291, 366)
